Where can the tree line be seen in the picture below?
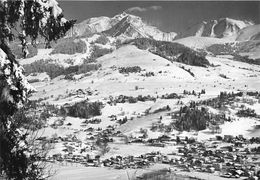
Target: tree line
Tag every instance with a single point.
(83, 109)
(172, 51)
(55, 70)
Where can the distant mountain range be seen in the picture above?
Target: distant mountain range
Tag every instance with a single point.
(98, 36)
(128, 26)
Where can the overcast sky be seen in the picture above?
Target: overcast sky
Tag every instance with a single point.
(167, 15)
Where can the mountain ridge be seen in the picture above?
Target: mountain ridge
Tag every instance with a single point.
(227, 28)
(123, 24)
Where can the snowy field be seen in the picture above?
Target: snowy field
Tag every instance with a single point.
(169, 77)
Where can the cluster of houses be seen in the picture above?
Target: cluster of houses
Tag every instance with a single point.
(132, 162)
(92, 121)
(224, 160)
(233, 160)
(79, 92)
(227, 156)
(129, 99)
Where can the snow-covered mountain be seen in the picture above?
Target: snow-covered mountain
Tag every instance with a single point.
(95, 25)
(249, 33)
(122, 25)
(90, 26)
(222, 28)
(133, 27)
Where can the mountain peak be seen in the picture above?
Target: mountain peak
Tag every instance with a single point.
(132, 26)
(124, 25)
(240, 23)
(125, 14)
(220, 28)
(120, 16)
(96, 24)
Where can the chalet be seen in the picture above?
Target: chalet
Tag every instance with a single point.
(91, 138)
(164, 138)
(227, 148)
(215, 129)
(165, 160)
(217, 166)
(210, 169)
(157, 144)
(137, 140)
(83, 125)
(238, 143)
(80, 92)
(90, 129)
(53, 140)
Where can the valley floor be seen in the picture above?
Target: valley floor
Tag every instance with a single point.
(73, 137)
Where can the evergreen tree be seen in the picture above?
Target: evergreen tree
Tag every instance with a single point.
(23, 20)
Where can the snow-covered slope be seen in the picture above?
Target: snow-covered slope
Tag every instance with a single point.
(168, 77)
(221, 28)
(94, 25)
(66, 60)
(130, 55)
(196, 42)
(90, 26)
(123, 25)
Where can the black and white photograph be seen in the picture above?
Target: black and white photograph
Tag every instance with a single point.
(129, 90)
